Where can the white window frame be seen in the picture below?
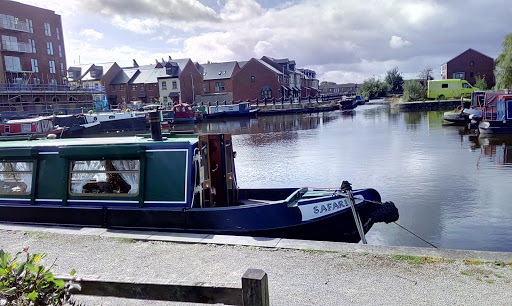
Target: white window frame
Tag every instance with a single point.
(62, 69)
(164, 85)
(32, 43)
(49, 47)
(35, 65)
(57, 33)
(60, 51)
(51, 63)
(47, 29)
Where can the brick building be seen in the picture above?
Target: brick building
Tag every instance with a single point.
(217, 83)
(257, 79)
(468, 65)
(32, 50)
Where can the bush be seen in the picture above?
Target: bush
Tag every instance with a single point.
(373, 88)
(413, 91)
(28, 283)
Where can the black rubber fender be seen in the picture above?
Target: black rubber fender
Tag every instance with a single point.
(387, 212)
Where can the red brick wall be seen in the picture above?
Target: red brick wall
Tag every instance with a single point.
(244, 89)
(38, 16)
(482, 66)
(189, 90)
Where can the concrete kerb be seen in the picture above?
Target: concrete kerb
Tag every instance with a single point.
(279, 243)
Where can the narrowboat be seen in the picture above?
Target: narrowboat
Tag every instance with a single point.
(179, 183)
(235, 110)
(118, 121)
(31, 126)
(501, 122)
(347, 103)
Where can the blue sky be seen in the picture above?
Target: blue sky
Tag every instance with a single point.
(343, 41)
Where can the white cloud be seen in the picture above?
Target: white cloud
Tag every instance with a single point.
(90, 34)
(397, 42)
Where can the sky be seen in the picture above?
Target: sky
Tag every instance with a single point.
(344, 41)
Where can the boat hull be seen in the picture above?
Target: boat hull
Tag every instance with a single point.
(277, 220)
(491, 127)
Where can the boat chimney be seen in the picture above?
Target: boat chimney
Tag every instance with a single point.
(154, 123)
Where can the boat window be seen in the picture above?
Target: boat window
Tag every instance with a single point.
(16, 177)
(7, 128)
(116, 177)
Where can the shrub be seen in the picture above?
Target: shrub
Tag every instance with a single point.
(29, 283)
(413, 91)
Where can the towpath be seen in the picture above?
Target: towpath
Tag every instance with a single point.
(299, 272)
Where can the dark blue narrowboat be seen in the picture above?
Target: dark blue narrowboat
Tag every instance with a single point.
(179, 183)
(498, 119)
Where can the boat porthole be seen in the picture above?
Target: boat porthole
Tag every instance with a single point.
(95, 118)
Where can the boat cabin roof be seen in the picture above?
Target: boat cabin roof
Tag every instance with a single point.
(182, 141)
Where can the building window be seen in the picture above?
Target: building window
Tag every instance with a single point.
(219, 86)
(113, 87)
(96, 177)
(12, 63)
(253, 79)
(472, 63)
(49, 47)
(16, 176)
(142, 86)
(10, 43)
(164, 85)
(52, 66)
(121, 87)
(60, 51)
(165, 100)
(32, 44)
(35, 65)
(459, 75)
(62, 69)
(150, 87)
(30, 26)
(204, 88)
(174, 85)
(37, 81)
(47, 29)
(471, 74)
(134, 87)
(123, 99)
(266, 92)
(57, 31)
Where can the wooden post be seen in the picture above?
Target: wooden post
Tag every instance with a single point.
(255, 288)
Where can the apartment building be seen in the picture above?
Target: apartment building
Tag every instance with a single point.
(32, 50)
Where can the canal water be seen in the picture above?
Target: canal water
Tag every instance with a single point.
(451, 187)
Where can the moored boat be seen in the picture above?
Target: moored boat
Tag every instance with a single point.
(347, 103)
(118, 121)
(241, 109)
(501, 122)
(31, 126)
(181, 183)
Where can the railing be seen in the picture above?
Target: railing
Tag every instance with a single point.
(16, 46)
(19, 26)
(253, 292)
(48, 87)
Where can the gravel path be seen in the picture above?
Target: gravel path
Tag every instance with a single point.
(296, 277)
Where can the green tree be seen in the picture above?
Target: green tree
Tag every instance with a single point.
(395, 79)
(373, 88)
(504, 65)
(480, 83)
(413, 91)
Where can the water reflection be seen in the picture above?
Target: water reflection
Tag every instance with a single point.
(497, 149)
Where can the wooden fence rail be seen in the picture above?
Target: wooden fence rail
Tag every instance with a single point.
(254, 290)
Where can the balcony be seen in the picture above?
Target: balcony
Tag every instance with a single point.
(16, 47)
(21, 26)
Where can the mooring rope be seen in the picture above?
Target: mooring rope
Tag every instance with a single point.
(415, 235)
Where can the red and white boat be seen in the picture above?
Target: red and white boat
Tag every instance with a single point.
(39, 125)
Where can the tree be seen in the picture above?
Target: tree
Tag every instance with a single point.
(413, 91)
(395, 79)
(480, 83)
(504, 64)
(373, 88)
(426, 75)
(327, 83)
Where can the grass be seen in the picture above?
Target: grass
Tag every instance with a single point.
(126, 240)
(311, 251)
(416, 260)
(473, 261)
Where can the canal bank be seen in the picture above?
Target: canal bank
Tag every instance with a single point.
(299, 272)
(424, 105)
